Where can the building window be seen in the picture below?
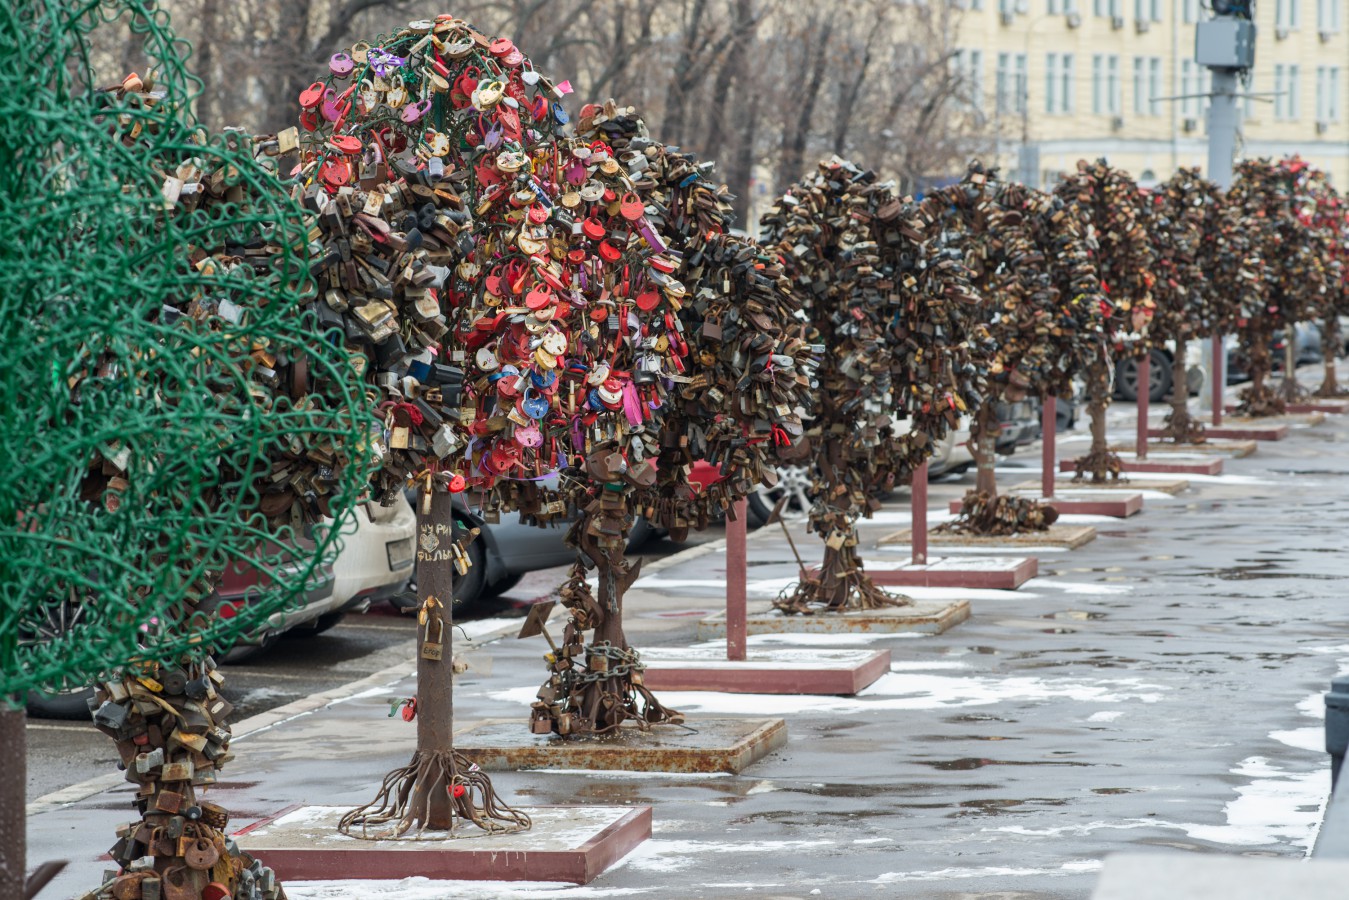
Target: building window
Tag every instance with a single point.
(1286, 14)
(1191, 10)
(1155, 10)
(1058, 83)
(1147, 85)
(1105, 86)
(1327, 93)
(1010, 78)
(969, 71)
(1286, 83)
(1193, 88)
(1328, 16)
(1155, 86)
(1112, 8)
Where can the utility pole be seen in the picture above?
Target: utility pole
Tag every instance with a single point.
(1224, 44)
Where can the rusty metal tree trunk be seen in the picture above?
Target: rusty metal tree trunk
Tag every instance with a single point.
(13, 785)
(1330, 351)
(430, 801)
(983, 444)
(1100, 463)
(1180, 426)
(1258, 399)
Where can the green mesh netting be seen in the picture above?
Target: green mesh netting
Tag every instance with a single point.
(171, 411)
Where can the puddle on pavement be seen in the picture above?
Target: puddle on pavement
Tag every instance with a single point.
(975, 762)
(963, 737)
(1077, 614)
(976, 717)
(1116, 790)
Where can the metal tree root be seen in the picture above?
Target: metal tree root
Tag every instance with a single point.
(1101, 464)
(593, 688)
(1330, 346)
(1259, 400)
(986, 516)
(842, 583)
(412, 798)
(1183, 428)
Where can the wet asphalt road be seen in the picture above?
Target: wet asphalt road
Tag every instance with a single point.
(62, 753)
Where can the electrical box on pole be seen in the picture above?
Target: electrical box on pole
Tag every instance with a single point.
(1225, 43)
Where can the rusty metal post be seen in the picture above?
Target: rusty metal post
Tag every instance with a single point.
(1049, 427)
(13, 784)
(1144, 388)
(1218, 376)
(918, 498)
(435, 578)
(737, 572)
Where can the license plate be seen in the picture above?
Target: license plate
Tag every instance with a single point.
(400, 553)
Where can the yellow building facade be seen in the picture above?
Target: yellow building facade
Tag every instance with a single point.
(1061, 80)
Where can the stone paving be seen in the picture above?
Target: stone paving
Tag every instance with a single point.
(1158, 689)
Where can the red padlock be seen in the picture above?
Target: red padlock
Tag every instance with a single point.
(215, 891)
(457, 484)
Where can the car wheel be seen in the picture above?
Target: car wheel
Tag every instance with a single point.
(496, 590)
(639, 535)
(71, 704)
(1159, 378)
(470, 589)
(794, 482)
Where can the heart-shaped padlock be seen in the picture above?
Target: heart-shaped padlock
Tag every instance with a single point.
(534, 406)
(341, 65)
(528, 436)
(486, 358)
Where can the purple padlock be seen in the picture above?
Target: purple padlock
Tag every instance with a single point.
(331, 111)
(491, 139)
(341, 65)
(414, 112)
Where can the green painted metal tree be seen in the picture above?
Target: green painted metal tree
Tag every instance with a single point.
(181, 416)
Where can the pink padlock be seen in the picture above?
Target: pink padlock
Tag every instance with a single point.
(341, 65)
(334, 107)
(414, 112)
(528, 436)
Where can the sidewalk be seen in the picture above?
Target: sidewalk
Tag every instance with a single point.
(1159, 688)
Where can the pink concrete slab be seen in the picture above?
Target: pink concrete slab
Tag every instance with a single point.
(566, 843)
(1160, 464)
(805, 670)
(1005, 573)
(1248, 432)
(1086, 503)
(1314, 405)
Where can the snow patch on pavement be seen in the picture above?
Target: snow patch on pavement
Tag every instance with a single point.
(1072, 867)
(425, 889)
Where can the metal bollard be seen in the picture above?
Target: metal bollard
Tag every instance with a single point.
(1337, 724)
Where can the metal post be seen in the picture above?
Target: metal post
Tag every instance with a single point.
(435, 579)
(918, 500)
(1218, 374)
(1222, 142)
(1337, 724)
(13, 824)
(1144, 389)
(737, 567)
(1049, 426)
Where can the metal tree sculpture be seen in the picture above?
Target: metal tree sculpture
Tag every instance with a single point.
(1177, 218)
(704, 345)
(1041, 309)
(1326, 214)
(384, 142)
(1294, 274)
(186, 419)
(1102, 198)
(892, 303)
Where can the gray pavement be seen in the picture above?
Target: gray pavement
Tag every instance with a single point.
(1158, 690)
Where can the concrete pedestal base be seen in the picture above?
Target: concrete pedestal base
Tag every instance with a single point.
(566, 843)
(1082, 502)
(1331, 407)
(1163, 485)
(1070, 536)
(804, 670)
(714, 745)
(1218, 876)
(1274, 431)
(919, 617)
(1228, 449)
(1161, 464)
(1006, 573)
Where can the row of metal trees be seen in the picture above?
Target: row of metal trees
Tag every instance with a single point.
(1024, 293)
(433, 278)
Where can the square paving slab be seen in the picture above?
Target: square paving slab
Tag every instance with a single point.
(918, 617)
(1197, 452)
(1067, 486)
(1082, 501)
(707, 745)
(1056, 535)
(768, 670)
(565, 843)
(1005, 573)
